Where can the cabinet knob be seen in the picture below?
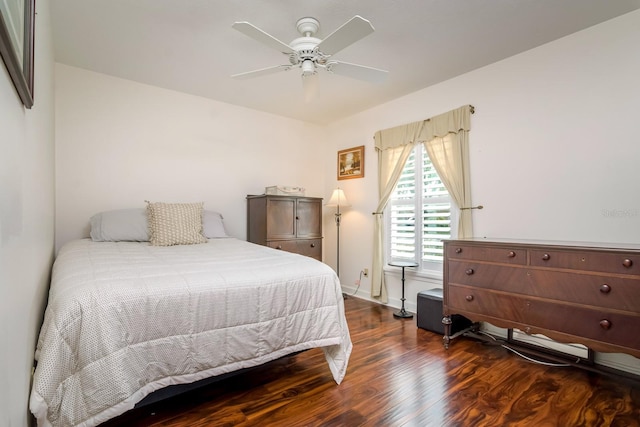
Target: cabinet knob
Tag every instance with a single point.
(313, 245)
(469, 271)
(605, 289)
(469, 297)
(458, 250)
(605, 324)
(546, 257)
(511, 254)
(297, 217)
(627, 263)
(279, 247)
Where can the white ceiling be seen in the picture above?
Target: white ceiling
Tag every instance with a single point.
(189, 45)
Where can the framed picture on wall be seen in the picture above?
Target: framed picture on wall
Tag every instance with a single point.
(16, 45)
(351, 163)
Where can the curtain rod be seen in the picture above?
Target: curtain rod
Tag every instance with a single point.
(472, 207)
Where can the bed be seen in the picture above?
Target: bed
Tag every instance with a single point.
(127, 318)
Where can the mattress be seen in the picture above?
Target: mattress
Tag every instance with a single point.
(125, 319)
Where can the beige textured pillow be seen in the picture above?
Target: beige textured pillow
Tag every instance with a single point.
(175, 223)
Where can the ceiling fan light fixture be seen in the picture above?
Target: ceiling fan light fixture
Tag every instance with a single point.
(310, 87)
(308, 68)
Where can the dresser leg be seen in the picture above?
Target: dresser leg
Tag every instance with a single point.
(446, 321)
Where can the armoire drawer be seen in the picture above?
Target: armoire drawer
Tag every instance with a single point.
(533, 315)
(311, 248)
(308, 247)
(285, 245)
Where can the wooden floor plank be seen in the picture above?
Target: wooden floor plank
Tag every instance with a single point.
(400, 375)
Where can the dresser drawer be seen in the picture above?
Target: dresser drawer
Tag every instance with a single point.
(507, 255)
(534, 315)
(618, 293)
(467, 300)
(613, 262)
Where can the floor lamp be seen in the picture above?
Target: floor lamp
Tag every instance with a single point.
(338, 200)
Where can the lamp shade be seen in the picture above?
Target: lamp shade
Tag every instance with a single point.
(338, 198)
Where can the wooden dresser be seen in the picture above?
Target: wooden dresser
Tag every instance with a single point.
(577, 293)
(290, 223)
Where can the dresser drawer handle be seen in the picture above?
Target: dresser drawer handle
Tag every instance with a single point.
(605, 289)
(279, 247)
(458, 250)
(469, 297)
(546, 257)
(469, 271)
(511, 254)
(627, 263)
(605, 324)
(313, 245)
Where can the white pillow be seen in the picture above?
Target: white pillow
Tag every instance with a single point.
(123, 225)
(175, 223)
(213, 225)
(131, 225)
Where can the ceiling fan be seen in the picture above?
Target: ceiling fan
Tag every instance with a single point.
(312, 54)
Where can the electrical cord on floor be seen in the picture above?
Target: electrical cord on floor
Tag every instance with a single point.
(530, 359)
(344, 294)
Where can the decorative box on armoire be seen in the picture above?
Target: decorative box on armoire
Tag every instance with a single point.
(289, 223)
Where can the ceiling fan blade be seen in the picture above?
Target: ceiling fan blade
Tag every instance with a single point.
(261, 36)
(261, 72)
(349, 33)
(360, 72)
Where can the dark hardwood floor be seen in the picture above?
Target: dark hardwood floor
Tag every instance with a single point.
(400, 375)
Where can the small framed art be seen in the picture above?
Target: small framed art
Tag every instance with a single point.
(351, 163)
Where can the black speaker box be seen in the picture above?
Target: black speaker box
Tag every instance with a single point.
(429, 313)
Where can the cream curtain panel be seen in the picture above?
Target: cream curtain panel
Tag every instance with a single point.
(446, 136)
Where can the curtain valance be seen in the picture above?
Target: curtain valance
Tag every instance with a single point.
(424, 130)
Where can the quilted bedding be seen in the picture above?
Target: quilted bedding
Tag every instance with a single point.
(126, 318)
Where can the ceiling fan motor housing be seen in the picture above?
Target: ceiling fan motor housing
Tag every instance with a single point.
(306, 50)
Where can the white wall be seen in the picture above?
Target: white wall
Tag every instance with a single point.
(554, 147)
(119, 143)
(26, 223)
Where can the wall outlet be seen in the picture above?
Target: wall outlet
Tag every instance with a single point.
(365, 272)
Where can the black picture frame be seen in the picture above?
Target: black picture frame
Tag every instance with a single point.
(20, 69)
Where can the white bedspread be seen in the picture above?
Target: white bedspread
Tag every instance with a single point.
(125, 319)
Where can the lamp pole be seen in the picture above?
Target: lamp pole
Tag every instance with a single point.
(338, 217)
(338, 199)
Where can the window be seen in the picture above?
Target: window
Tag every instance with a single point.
(419, 214)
